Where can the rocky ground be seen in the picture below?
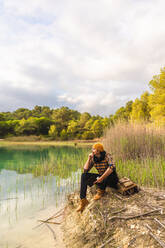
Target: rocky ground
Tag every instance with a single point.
(116, 221)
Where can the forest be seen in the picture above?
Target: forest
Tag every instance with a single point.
(67, 124)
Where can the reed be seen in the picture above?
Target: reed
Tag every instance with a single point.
(139, 152)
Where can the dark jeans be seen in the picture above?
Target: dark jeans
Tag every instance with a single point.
(88, 179)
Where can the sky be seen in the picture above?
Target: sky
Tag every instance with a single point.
(91, 55)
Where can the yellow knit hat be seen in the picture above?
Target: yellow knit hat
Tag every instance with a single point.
(98, 146)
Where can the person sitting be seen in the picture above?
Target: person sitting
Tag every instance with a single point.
(106, 176)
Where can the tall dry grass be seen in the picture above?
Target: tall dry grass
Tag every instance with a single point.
(139, 151)
(133, 140)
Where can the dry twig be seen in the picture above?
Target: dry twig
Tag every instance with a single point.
(52, 231)
(133, 240)
(161, 243)
(134, 216)
(161, 224)
(57, 214)
(50, 222)
(121, 210)
(119, 197)
(103, 217)
(109, 240)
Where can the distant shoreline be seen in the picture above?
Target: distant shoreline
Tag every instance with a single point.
(75, 143)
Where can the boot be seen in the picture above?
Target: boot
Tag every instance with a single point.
(99, 194)
(83, 203)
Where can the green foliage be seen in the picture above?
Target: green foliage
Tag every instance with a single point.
(7, 127)
(157, 98)
(53, 132)
(84, 118)
(73, 129)
(26, 127)
(43, 125)
(122, 113)
(64, 123)
(21, 113)
(140, 108)
(2, 117)
(88, 135)
(105, 122)
(63, 135)
(97, 128)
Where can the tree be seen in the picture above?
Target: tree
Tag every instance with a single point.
(22, 113)
(46, 112)
(61, 117)
(157, 98)
(120, 114)
(88, 124)
(2, 117)
(63, 135)
(3, 129)
(36, 112)
(42, 124)
(128, 109)
(138, 111)
(8, 127)
(73, 129)
(84, 118)
(53, 132)
(87, 135)
(97, 128)
(26, 127)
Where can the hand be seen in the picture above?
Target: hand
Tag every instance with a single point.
(99, 180)
(90, 156)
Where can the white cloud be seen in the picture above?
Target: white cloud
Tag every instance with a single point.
(90, 55)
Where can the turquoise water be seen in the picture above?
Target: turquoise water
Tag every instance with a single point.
(34, 177)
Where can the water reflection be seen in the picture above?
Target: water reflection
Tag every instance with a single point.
(33, 178)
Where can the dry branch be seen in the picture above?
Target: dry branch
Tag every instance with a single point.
(103, 217)
(134, 239)
(52, 231)
(131, 241)
(50, 222)
(109, 240)
(119, 197)
(161, 243)
(121, 210)
(161, 224)
(57, 214)
(134, 216)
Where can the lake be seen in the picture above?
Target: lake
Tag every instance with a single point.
(33, 178)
